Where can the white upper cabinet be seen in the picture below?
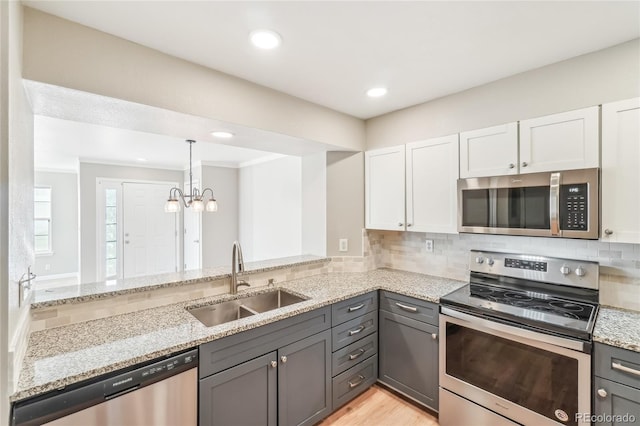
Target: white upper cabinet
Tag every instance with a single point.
(621, 171)
(432, 172)
(562, 141)
(489, 152)
(384, 188)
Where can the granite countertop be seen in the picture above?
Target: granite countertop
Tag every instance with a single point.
(65, 355)
(618, 327)
(104, 289)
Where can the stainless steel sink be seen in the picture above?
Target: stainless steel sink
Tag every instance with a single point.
(243, 307)
(272, 300)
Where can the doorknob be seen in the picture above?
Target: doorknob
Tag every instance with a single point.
(196, 241)
(126, 241)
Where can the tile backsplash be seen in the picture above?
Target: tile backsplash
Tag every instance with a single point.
(619, 263)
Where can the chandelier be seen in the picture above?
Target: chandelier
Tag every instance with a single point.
(195, 199)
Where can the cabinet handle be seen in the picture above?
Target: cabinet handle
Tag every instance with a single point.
(602, 393)
(356, 331)
(618, 366)
(608, 231)
(525, 164)
(274, 364)
(400, 223)
(406, 308)
(283, 358)
(409, 225)
(356, 355)
(512, 166)
(353, 385)
(434, 336)
(355, 308)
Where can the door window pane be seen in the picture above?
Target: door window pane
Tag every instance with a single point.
(111, 232)
(42, 219)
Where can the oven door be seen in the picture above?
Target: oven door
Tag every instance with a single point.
(516, 373)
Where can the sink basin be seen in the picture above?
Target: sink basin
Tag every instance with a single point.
(272, 300)
(243, 307)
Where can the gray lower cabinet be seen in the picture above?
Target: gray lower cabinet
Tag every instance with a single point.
(408, 353)
(616, 386)
(290, 386)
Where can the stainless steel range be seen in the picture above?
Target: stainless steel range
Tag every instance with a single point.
(516, 342)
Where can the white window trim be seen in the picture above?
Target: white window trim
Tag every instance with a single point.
(101, 185)
(48, 252)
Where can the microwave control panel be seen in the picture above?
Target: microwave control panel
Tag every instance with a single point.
(574, 206)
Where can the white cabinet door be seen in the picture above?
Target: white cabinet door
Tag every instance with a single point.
(384, 188)
(432, 172)
(489, 152)
(564, 141)
(621, 171)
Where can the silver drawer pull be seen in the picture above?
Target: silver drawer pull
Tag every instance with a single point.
(355, 308)
(618, 366)
(406, 308)
(356, 331)
(356, 355)
(353, 385)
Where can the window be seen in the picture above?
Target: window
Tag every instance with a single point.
(42, 219)
(111, 233)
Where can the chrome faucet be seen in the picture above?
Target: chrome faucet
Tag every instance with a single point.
(237, 266)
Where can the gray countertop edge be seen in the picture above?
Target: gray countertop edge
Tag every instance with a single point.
(171, 283)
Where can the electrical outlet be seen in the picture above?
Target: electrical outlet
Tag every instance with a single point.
(343, 244)
(429, 246)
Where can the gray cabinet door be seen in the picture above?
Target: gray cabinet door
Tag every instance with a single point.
(408, 354)
(619, 405)
(304, 380)
(243, 395)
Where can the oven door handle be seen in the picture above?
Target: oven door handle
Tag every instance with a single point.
(515, 331)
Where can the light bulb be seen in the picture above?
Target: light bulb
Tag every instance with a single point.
(197, 205)
(212, 205)
(172, 206)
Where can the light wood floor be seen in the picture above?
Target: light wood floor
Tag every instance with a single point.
(380, 407)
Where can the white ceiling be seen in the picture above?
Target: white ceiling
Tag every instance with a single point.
(332, 52)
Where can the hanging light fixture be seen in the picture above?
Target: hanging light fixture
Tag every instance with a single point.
(194, 199)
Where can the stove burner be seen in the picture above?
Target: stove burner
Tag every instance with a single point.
(567, 306)
(518, 296)
(555, 311)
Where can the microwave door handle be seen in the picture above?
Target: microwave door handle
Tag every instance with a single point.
(554, 203)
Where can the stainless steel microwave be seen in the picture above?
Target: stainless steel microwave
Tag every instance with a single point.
(559, 204)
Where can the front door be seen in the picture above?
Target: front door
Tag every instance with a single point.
(150, 234)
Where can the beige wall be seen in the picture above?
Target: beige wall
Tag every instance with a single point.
(63, 53)
(345, 201)
(603, 76)
(16, 199)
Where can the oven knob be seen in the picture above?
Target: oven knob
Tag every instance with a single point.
(479, 259)
(490, 261)
(565, 270)
(580, 271)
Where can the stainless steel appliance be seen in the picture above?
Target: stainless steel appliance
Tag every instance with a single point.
(515, 343)
(161, 393)
(561, 204)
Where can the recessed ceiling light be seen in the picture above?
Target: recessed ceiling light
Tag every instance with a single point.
(223, 135)
(265, 39)
(376, 92)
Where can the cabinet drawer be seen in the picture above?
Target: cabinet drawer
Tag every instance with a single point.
(419, 310)
(349, 356)
(233, 350)
(617, 364)
(354, 381)
(350, 331)
(354, 307)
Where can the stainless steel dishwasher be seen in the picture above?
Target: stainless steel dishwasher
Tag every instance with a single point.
(164, 392)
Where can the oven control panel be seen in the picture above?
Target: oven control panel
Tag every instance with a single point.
(571, 272)
(525, 264)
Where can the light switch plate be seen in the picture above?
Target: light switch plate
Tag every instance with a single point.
(343, 244)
